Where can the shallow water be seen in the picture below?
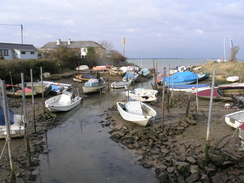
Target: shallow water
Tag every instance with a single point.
(81, 149)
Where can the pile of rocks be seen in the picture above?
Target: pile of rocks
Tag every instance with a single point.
(176, 161)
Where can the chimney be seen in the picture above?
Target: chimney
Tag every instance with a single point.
(58, 41)
(69, 41)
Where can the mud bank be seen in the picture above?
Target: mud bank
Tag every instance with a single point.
(176, 149)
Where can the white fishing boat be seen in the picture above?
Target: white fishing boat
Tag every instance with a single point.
(93, 86)
(17, 127)
(142, 94)
(120, 84)
(136, 112)
(235, 119)
(64, 102)
(232, 78)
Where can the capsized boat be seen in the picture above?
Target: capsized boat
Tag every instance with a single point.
(235, 119)
(17, 127)
(232, 78)
(64, 102)
(142, 94)
(136, 112)
(120, 84)
(189, 88)
(94, 85)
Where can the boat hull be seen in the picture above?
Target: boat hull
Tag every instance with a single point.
(141, 119)
(53, 104)
(91, 89)
(235, 119)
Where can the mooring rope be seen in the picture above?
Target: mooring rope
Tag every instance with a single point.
(3, 150)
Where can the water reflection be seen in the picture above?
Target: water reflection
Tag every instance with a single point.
(81, 150)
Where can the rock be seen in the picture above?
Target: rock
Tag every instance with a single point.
(191, 160)
(193, 177)
(183, 168)
(218, 160)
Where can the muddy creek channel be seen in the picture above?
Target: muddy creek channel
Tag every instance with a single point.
(80, 149)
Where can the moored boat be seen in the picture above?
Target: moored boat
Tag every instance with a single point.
(120, 84)
(130, 76)
(94, 85)
(64, 102)
(235, 119)
(142, 94)
(136, 112)
(16, 127)
(84, 77)
(16, 90)
(180, 78)
(190, 88)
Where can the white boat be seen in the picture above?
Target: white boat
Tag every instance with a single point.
(120, 84)
(64, 102)
(93, 85)
(180, 68)
(38, 87)
(192, 88)
(232, 78)
(17, 127)
(82, 67)
(235, 119)
(136, 112)
(142, 94)
(65, 85)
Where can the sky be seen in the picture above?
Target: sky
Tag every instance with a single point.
(151, 28)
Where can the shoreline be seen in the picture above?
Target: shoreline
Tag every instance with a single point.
(175, 153)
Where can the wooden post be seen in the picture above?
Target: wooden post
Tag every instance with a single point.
(8, 138)
(209, 118)
(33, 101)
(163, 103)
(25, 120)
(43, 102)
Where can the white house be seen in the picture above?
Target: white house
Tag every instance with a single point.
(18, 51)
(80, 46)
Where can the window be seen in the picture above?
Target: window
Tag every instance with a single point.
(32, 52)
(23, 52)
(5, 52)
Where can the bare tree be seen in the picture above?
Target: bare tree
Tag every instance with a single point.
(107, 45)
(233, 52)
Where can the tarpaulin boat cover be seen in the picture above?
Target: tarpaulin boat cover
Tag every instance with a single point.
(181, 77)
(2, 119)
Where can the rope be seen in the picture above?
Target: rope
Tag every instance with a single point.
(3, 150)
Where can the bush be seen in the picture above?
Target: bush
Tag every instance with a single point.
(14, 68)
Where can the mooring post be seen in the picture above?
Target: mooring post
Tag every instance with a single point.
(209, 118)
(43, 103)
(33, 101)
(163, 91)
(8, 137)
(25, 120)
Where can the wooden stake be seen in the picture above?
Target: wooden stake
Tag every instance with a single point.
(33, 101)
(25, 120)
(163, 91)
(8, 137)
(209, 118)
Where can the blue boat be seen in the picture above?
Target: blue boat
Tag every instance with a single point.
(181, 78)
(130, 76)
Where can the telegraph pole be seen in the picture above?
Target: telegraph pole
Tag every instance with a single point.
(123, 42)
(21, 30)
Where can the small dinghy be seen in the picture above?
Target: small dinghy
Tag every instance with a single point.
(16, 127)
(64, 102)
(136, 112)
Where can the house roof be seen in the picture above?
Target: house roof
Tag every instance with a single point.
(73, 44)
(22, 47)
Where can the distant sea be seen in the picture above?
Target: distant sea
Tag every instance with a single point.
(166, 62)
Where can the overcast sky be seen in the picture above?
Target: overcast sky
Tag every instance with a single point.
(152, 28)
